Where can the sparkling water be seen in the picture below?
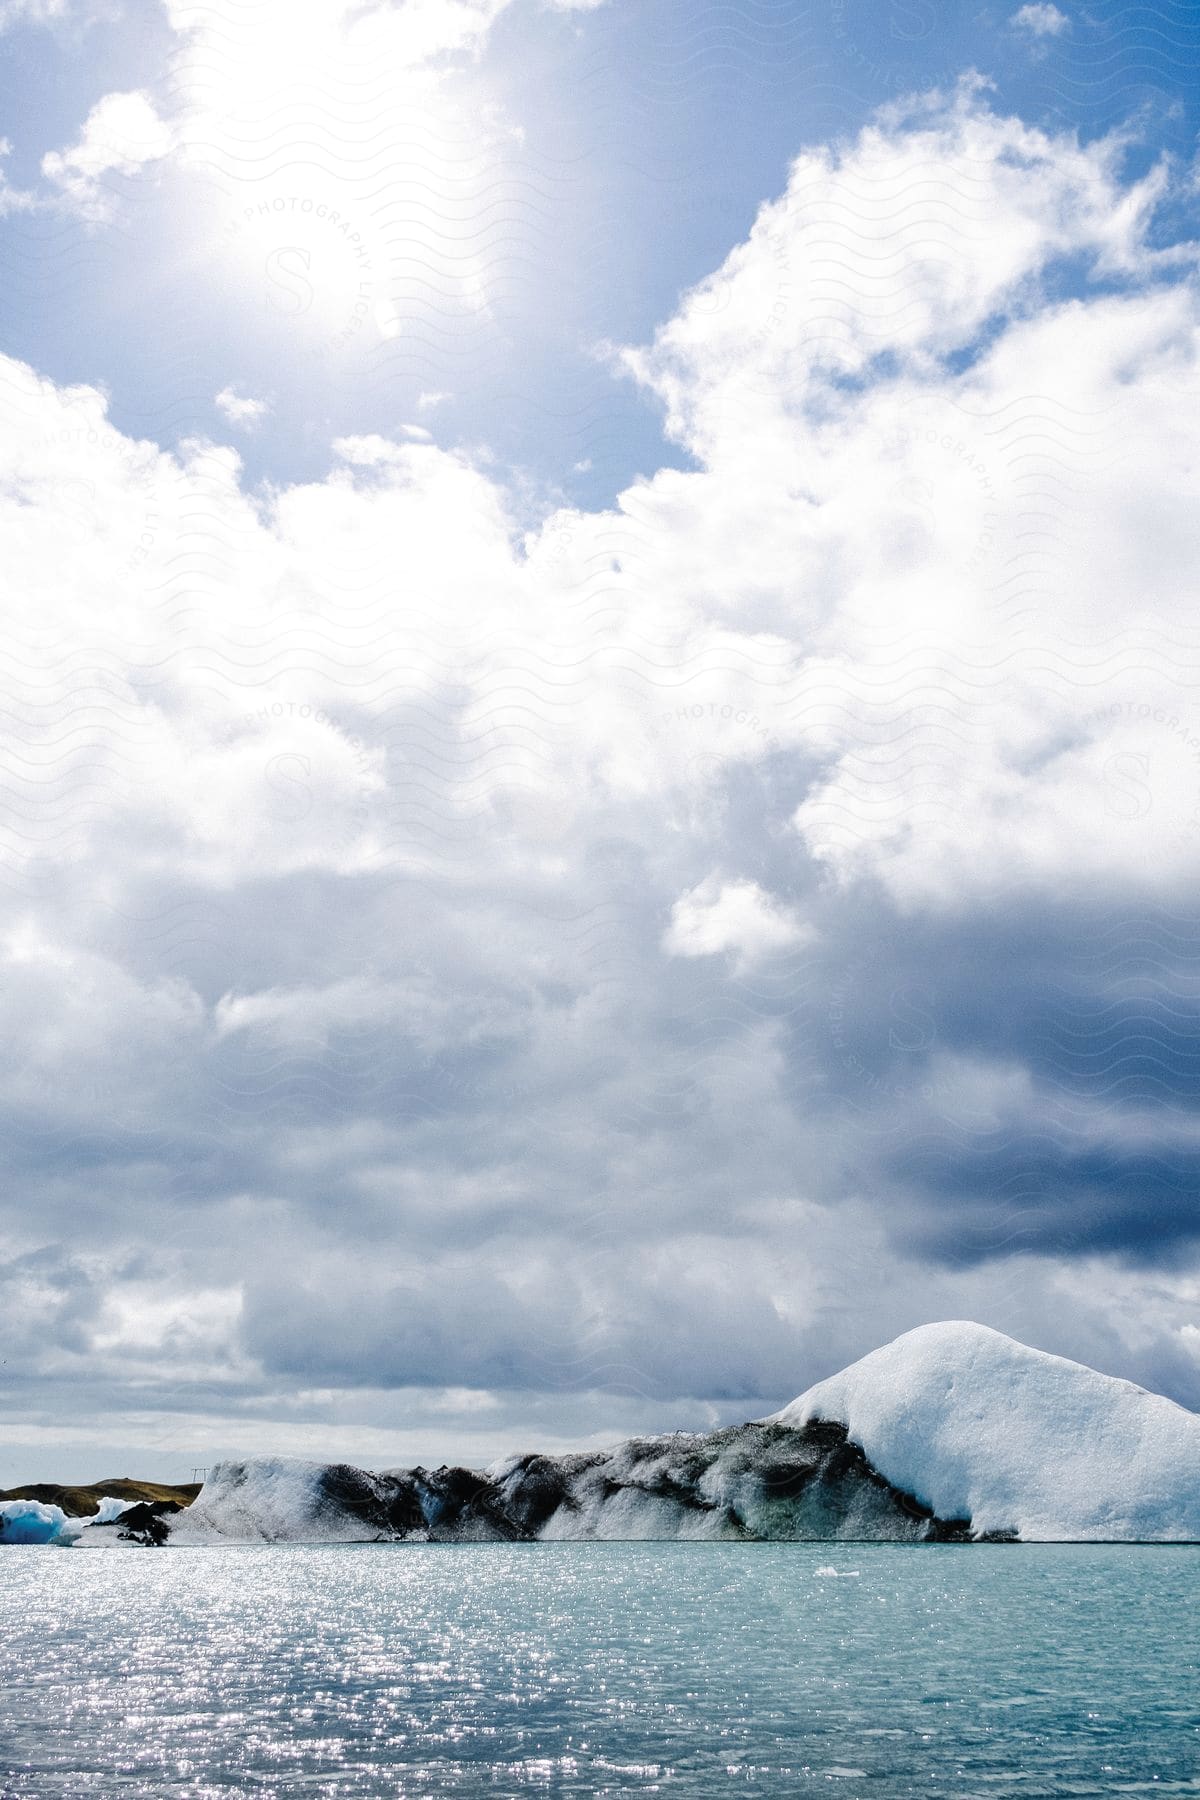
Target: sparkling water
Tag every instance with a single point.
(687, 1670)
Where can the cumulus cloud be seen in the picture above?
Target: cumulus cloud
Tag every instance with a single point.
(122, 135)
(731, 916)
(241, 409)
(1041, 21)
(658, 952)
(889, 255)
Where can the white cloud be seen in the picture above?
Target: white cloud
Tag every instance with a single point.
(899, 245)
(12, 200)
(734, 917)
(937, 783)
(241, 409)
(844, 495)
(121, 135)
(1041, 21)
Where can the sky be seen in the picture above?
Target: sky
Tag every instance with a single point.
(599, 715)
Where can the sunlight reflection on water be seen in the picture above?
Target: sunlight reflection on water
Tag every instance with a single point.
(601, 1669)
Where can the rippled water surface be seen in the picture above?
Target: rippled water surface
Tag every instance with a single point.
(601, 1669)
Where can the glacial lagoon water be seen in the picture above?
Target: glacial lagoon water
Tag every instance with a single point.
(684, 1670)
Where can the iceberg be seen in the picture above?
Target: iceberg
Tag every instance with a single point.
(284, 1500)
(33, 1522)
(975, 1425)
(30, 1521)
(756, 1481)
(111, 1510)
(953, 1433)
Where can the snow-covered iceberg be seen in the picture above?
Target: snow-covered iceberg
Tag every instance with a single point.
(951, 1433)
(975, 1425)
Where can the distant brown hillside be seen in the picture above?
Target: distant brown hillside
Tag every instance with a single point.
(82, 1502)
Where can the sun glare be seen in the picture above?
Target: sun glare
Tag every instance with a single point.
(354, 161)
